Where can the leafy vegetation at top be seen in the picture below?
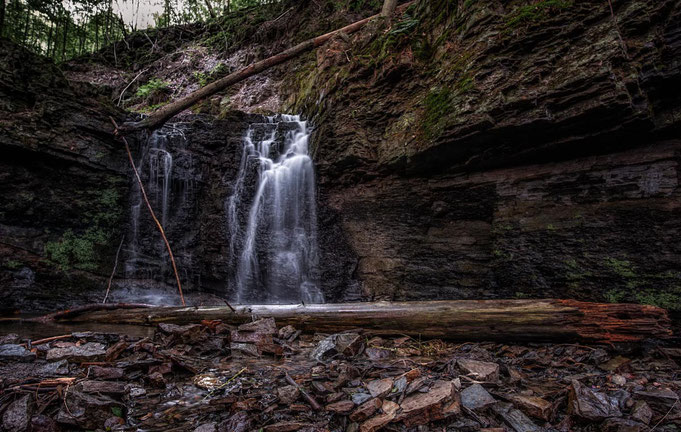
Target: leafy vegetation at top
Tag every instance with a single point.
(534, 12)
(64, 30)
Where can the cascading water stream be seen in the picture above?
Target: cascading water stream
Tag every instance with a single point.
(156, 165)
(278, 257)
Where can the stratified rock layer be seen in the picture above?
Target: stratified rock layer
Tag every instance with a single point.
(493, 149)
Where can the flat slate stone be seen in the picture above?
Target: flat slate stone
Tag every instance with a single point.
(16, 353)
(476, 397)
(91, 351)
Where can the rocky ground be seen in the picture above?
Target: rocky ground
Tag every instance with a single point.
(213, 377)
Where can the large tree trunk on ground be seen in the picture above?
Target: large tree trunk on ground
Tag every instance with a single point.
(505, 320)
(160, 116)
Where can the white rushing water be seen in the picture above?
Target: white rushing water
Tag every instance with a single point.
(278, 257)
(156, 165)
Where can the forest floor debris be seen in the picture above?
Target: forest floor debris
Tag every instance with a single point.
(212, 377)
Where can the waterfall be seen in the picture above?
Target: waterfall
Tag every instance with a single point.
(156, 169)
(275, 254)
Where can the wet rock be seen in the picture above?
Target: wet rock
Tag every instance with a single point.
(17, 417)
(286, 332)
(341, 407)
(13, 352)
(320, 388)
(113, 422)
(207, 381)
(85, 410)
(241, 350)
(206, 427)
(481, 371)
(105, 387)
(239, 422)
(422, 408)
(618, 380)
(377, 353)
(658, 398)
(360, 398)
(288, 426)
(515, 418)
(347, 344)
(250, 337)
(185, 334)
(599, 355)
(9, 339)
(389, 407)
(43, 423)
(135, 391)
(466, 425)
(157, 379)
(106, 373)
(260, 334)
(591, 405)
(366, 410)
(417, 384)
(400, 385)
(288, 394)
(641, 412)
(380, 388)
(262, 326)
(534, 406)
(476, 397)
(388, 413)
(90, 351)
(622, 425)
(614, 363)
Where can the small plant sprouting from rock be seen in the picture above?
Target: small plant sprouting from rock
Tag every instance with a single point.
(535, 12)
(622, 268)
(205, 78)
(80, 251)
(153, 86)
(12, 264)
(438, 104)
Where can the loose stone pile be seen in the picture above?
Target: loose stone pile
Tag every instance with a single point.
(211, 377)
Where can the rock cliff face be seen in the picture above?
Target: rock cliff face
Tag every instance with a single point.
(464, 150)
(63, 184)
(492, 149)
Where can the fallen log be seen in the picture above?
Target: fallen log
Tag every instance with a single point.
(502, 320)
(160, 116)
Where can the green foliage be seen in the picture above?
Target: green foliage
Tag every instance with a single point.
(356, 5)
(75, 251)
(153, 86)
(80, 250)
(117, 411)
(205, 78)
(12, 264)
(615, 296)
(667, 300)
(438, 104)
(61, 30)
(534, 12)
(150, 108)
(622, 268)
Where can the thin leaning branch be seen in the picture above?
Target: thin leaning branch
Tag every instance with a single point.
(113, 272)
(151, 211)
(120, 98)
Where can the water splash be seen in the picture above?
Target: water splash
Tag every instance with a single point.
(278, 260)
